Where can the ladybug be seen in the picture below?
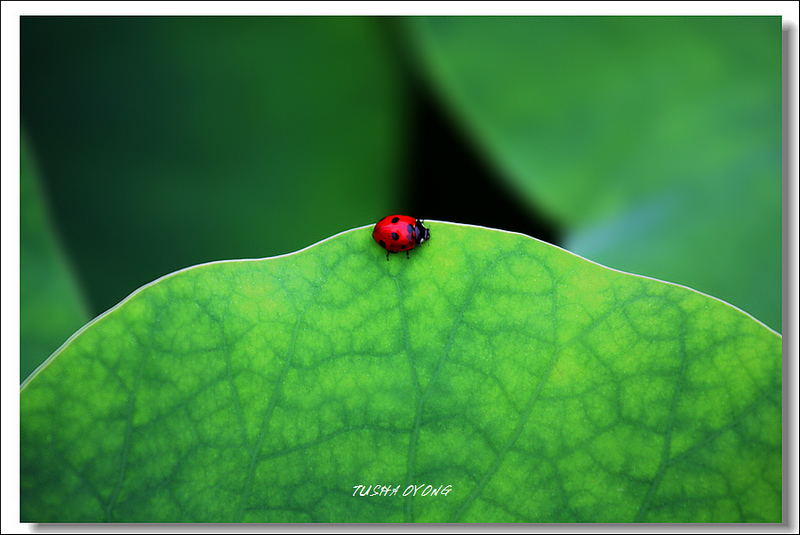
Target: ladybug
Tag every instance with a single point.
(397, 233)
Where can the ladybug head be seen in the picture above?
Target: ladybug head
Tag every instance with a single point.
(423, 234)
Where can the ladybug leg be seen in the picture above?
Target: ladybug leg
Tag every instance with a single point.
(387, 256)
(406, 255)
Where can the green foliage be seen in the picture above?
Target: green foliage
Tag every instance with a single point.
(172, 141)
(654, 141)
(541, 387)
(51, 304)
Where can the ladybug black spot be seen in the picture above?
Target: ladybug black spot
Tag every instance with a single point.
(395, 236)
(395, 220)
(383, 244)
(402, 247)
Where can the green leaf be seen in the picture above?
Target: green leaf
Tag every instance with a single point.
(532, 384)
(655, 141)
(51, 305)
(197, 138)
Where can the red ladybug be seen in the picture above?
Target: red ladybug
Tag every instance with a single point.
(397, 233)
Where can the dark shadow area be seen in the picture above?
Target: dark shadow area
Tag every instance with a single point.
(450, 182)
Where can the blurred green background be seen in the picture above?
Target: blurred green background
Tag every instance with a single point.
(651, 145)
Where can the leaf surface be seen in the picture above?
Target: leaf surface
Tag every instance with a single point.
(534, 385)
(654, 141)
